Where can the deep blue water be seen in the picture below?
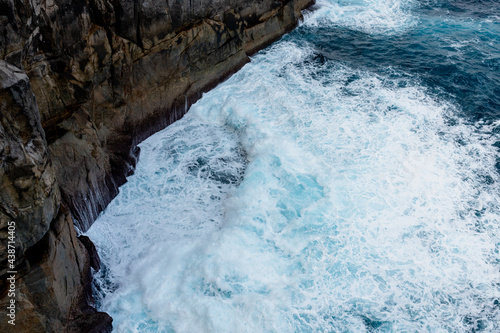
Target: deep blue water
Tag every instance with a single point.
(453, 49)
(346, 180)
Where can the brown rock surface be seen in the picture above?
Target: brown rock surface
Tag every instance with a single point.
(105, 75)
(52, 266)
(54, 294)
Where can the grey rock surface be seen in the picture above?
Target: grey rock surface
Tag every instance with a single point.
(29, 193)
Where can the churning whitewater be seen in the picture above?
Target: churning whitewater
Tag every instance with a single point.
(346, 180)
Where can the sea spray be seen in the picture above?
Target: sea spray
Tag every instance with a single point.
(308, 194)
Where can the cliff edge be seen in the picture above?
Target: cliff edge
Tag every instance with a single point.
(81, 83)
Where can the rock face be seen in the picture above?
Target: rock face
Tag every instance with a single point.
(82, 83)
(108, 73)
(52, 266)
(29, 189)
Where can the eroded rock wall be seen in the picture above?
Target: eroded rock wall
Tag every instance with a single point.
(108, 73)
(82, 83)
(49, 264)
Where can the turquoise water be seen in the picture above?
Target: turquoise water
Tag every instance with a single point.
(346, 180)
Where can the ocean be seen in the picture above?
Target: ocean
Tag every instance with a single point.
(345, 180)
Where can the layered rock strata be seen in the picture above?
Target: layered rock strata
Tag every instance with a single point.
(82, 83)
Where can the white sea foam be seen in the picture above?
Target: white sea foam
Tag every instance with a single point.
(365, 206)
(369, 16)
(362, 207)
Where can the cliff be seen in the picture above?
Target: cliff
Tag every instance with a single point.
(81, 83)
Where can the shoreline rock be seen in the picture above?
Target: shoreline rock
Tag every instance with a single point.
(81, 85)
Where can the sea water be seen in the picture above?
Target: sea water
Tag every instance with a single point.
(346, 180)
